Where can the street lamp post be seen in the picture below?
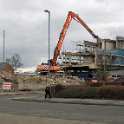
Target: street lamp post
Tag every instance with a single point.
(47, 11)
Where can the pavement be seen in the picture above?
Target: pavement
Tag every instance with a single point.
(14, 119)
(70, 101)
(11, 93)
(36, 96)
(35, 112)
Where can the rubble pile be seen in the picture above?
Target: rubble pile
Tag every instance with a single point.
(66, 81)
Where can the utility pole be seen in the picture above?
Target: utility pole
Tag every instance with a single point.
(3, 46)
(104, 55)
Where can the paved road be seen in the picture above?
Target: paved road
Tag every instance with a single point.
(92, 113)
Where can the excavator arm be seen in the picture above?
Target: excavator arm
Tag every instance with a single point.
(71, 15)
(53, 65)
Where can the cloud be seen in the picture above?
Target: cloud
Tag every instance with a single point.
(26, 24)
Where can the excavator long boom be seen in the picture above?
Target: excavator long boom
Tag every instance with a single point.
(71, 15)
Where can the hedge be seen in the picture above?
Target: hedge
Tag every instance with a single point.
(106, 92)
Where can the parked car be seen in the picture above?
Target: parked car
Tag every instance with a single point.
(116, 76)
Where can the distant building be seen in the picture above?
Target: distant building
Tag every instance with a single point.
(89, 57)
(120, 42)
(117, 57)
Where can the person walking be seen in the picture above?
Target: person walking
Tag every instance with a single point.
(48, 92)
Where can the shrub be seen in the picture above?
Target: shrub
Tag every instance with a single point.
(114, 92)
(107, 92)
(70, 92)
(89, 92)
(58, 88)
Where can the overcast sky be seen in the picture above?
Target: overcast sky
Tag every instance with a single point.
(25, 23)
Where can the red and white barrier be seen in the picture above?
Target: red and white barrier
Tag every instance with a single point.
(7, 86)
(94, 81)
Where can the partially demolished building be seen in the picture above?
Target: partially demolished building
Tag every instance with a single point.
(89, 57)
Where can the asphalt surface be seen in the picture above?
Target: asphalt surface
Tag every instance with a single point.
(92, 113)
(105, 102)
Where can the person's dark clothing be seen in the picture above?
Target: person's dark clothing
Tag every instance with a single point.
(47, 92)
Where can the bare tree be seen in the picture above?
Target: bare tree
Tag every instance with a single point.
(15, 61)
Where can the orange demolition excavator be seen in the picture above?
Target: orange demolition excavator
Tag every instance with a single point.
(54, 67)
